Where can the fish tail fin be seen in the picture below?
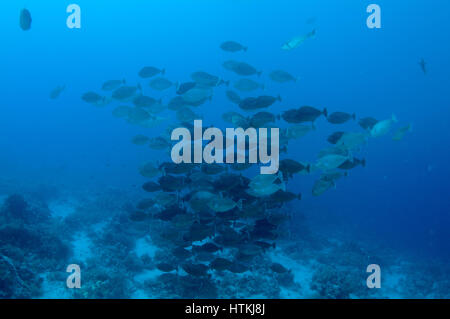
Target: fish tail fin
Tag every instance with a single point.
(245, 49)
(279, 118)
(274, 245)
(308, 168)
(227, 83)
(259, 73)
(325, 112)
(163, 71)
(124, 81)
(160, 101)
(354, 117)
(139, 87)
(363, 162)
(299, 196)
(279, 98)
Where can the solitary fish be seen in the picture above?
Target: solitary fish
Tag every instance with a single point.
(232, 46)
(401, 132)
(150, 71)
(55, 93)
(297, 41)
(25, 20)
(423, 66)
(281, 76)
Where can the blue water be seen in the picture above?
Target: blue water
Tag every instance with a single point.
(399, 200)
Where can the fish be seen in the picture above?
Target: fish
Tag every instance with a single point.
(166, 267)
(93, 98)
(206, 79)
(283, 197)
(321, 186)
(340, 117)
(401, 132)
(297, 41)
(335, 137)
(186, 86)
(186, 115)
(352, 163)
(149, 170)
(232, 46)
(181, 253)
(265, 185)
(56, 92)
(330, 161)
(196, 270)
(352, 141)
(176, 103)
(145, 203)
(333, 175)
(260, 119)
(199, 201)
(233, 97)
(198, 95)
(236, 119)
(423, 66)
(144, 101)
(25, 20)
(227, 182)
(125, 93)
(164, 199)
(111, 85)
(289, 167)
(137, 115)
(247, 85)
(161, 84)
(167, 214)
(383, 127)
(297, 131)
(303, 114)
(281, 76)
(220, 264)
(222, 204)
(207, 247)
(159, 143)
(241, 68)
(150, 71)
(260, 102)
(367, 123)
(278, 268)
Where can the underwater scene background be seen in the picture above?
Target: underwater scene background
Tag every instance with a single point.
(87, 178)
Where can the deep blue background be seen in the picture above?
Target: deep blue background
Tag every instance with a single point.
(400, 198)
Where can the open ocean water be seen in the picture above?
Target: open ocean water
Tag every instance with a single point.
(87, 177)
